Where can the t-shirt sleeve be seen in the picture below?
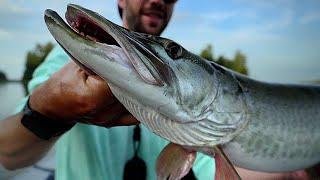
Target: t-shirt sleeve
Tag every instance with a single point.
(55, 60)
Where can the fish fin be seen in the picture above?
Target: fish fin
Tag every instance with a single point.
(224, 168)
(174, 162)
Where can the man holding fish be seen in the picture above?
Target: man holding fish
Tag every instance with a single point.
(63, 94)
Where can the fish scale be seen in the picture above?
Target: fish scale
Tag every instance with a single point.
(284, 133)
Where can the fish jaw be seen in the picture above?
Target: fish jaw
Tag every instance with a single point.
(78, 17)
(91, 55)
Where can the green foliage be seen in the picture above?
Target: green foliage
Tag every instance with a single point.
(207, 53)
(316, 81)
(238, 63)
(3, 77)
(34, 58)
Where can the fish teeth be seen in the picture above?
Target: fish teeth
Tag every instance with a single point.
(73, 24)
(85, 25)
(95, 33)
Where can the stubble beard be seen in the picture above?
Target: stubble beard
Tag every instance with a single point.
(134, 23)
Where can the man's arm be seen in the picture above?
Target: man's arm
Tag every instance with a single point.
(18, 146)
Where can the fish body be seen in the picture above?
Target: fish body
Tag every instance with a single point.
(283, 129)
(193, 102)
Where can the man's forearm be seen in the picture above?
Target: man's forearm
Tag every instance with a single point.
(18, 146)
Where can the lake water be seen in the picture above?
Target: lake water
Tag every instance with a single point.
(10, 95)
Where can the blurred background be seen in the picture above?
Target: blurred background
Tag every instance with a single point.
(273, 41)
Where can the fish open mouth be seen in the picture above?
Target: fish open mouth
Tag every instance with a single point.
(86, 27)
(91, 28)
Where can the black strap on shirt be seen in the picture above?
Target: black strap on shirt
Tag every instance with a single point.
(135, 168)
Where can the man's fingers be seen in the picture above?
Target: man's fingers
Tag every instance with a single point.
(126, 120)
(120, 120)
(123, 120)
(113, 115)
(100, 106)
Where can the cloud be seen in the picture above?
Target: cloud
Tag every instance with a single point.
(310, 17)
(5, 34)
(8, 7)
(219, 16)
(15, 16)
(270, 4)
(246, 16)
(284, 20)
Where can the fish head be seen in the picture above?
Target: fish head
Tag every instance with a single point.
(140, 61)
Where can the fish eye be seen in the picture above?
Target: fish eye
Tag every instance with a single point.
(174, 50)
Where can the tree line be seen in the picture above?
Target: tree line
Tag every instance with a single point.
(237, 63)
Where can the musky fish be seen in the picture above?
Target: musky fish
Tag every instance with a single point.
(194, 103)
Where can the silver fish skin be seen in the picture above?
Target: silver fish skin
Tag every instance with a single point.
(194, 102)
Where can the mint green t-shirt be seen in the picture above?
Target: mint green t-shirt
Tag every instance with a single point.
(91, 152)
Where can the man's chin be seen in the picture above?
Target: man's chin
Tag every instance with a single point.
(148, 28)
(153, 30)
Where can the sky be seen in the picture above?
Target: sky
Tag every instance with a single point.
(280, 38)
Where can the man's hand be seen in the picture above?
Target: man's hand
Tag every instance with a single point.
(71, 95)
